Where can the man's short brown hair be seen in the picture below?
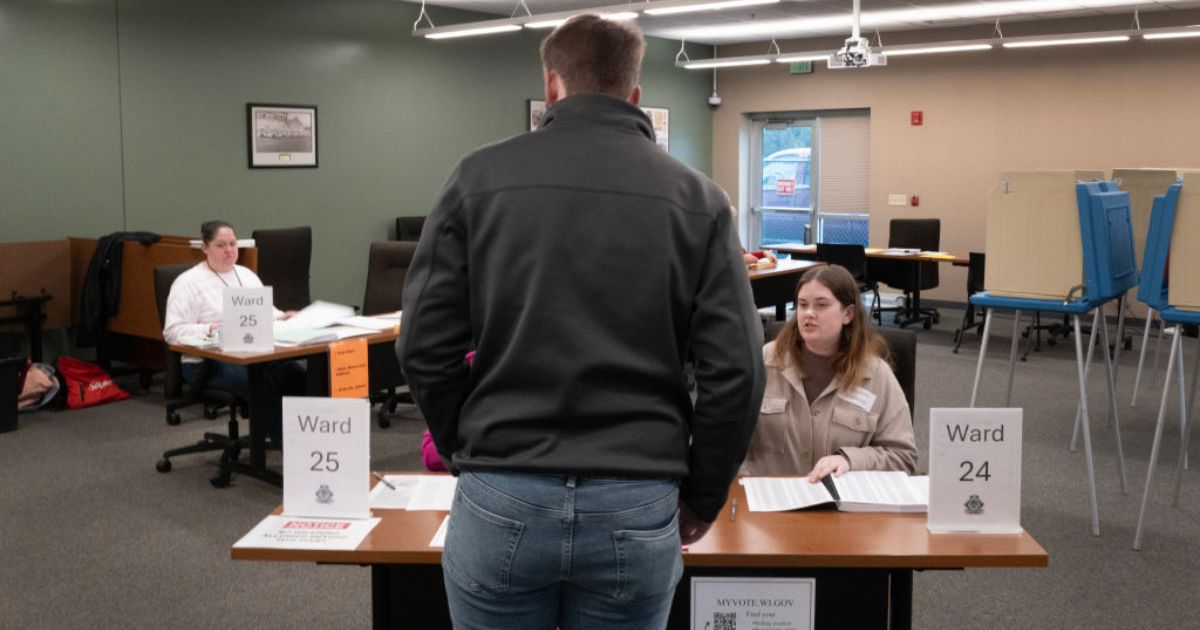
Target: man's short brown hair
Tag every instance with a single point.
(595, 55)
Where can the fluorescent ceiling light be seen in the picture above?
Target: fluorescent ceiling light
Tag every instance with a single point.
(1194, 31)
(1069, 41)
(618, 16)
(707, 6)
(825, 24)
(815, 56)
(929, 50)
(731, 62)
(468, 32)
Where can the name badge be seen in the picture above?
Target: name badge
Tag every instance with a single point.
(860, 397)
(247, 317)
(326, 457)
(975, 470)
(773, 405)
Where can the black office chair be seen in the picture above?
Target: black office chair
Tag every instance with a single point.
(923, 234)
(975, 274)
(197, 392)
(284, 259)
(854, 259)
(387, 267)
(409, 228)
(902, 344)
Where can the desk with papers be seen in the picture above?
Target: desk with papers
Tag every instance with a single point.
(383, 370)
(862, 562)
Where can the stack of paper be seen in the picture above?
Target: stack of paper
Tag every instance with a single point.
(415, 492)
(855, 491)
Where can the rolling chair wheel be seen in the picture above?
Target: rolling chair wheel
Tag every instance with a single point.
(210, 413)
(220, 481)
(937, 318)
(927, 324)
(163, 465)
(173, 419)
(384, 421)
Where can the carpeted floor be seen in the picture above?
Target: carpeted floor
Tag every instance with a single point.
(92, 537)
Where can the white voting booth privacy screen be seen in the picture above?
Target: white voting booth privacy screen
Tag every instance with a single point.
(975, 470)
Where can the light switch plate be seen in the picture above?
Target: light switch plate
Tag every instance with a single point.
(897, 199)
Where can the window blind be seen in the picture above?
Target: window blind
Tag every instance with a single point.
(845, 163)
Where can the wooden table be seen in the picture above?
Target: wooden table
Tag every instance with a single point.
(863, 562)
(382, 364)
(878, 253)
(776, 286)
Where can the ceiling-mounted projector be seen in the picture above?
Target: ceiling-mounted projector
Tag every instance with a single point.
(856, 53)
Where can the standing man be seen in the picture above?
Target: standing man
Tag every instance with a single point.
(582, 263)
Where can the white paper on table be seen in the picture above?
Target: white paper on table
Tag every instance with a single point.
(878, 491)
(900, 251)
(345, 332)
(319, 314)
(439, 537)
(433, 492)
(372, 323)
(396, 315)
(383, 497)
(290, 532)
(778, 494)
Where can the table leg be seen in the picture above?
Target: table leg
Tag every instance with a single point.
(901, 599)
(259, 395)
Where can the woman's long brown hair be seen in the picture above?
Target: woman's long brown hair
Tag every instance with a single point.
(859, 340)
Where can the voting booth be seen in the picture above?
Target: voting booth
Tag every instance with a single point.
(1033, 240)
(1184, 270)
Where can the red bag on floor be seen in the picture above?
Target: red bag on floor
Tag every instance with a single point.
(87, 384)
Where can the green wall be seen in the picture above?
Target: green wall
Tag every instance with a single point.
(131, 115)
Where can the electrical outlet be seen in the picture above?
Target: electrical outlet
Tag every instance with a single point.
(897, 199)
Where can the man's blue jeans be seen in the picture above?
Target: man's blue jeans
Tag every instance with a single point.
(537, 552)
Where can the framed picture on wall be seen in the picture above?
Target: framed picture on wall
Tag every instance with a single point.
(534, 110)
(282, 136)
(660, 117)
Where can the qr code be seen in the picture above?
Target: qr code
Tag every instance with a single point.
(724, 621)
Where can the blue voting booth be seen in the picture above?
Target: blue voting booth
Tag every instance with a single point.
(1110, 270)
(1153, 293)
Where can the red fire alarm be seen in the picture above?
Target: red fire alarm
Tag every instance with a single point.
(918, 118)
(915, 201)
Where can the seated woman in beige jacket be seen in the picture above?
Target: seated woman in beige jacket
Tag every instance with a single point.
(832, 403)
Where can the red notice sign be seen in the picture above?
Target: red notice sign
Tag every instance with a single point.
(785, 186)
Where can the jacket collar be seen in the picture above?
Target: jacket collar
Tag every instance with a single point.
(597, 110)
(792, 375)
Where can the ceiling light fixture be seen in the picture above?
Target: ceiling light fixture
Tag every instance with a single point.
(616, 17)
(469, 32)
(728, 62)
(1066, 41)
(797, 57)
(706, 6)
(1171, 33)
(930, 50)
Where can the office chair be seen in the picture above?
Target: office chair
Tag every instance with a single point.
(387, 267)
(902, 344)
(198, 391)
(284, 258)
(976, 262)
(409, 228)
(854, 259)
(922, 234)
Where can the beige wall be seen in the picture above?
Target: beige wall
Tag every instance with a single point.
(1083, 107)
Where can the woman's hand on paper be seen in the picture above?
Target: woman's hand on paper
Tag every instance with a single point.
(836, 464)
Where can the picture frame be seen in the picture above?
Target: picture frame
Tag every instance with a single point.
(281, 136)
(660, 118)
(534, 110)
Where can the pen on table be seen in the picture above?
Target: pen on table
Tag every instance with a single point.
(382, 480)
(733, 511)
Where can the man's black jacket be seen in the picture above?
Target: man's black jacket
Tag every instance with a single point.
(582, 262)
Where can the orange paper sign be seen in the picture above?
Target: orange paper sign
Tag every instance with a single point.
(348, 370)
